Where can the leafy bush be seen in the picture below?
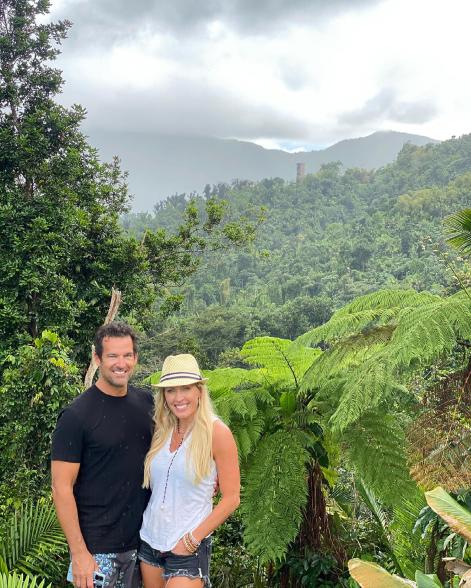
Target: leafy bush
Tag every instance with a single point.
(36, 383)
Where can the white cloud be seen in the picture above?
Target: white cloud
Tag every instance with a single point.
(397, 64)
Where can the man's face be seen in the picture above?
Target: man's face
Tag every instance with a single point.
(117, 362)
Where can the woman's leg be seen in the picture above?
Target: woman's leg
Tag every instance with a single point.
(182, 582)
(152, 576)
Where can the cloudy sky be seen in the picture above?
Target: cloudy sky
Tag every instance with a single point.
(282, 73)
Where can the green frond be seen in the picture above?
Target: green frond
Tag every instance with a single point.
(283, 362)
(375, 447)
(223, 379)
(247, 435)
(387, 299)
(458, 230)
(275, 492)
(408, 548)
(368, 386)
(376, 309)
(327, 397)
(19, 581)
(244, 404)
(34, 544)
(232, 405)
(425, 332)
(349, 354)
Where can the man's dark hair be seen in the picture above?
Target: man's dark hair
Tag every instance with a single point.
(114, 329)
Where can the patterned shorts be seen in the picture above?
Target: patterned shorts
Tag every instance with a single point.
(121, 570)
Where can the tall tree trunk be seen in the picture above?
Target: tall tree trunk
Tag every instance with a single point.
(315, 533)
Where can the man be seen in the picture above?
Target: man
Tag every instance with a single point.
(98, 451)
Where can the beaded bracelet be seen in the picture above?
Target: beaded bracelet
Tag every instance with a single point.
(188, 544)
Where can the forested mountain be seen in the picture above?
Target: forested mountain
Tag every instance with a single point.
(334, 236)
(163, 165)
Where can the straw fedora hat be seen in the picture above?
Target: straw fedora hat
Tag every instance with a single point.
(180, 370)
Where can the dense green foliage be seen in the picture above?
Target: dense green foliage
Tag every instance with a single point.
(62, 248)
(336, 235)
(36, 382)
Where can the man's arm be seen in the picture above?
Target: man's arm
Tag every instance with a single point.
(64, 475)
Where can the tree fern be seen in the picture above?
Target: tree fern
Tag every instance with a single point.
(34, 544)
(274, 495)
(374, 309)
(408, 548)
(223, 379)
(425, 332)
(375, 449)
(377, 361)
(283, 363)
(368, 386)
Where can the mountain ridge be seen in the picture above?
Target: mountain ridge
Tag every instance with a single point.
(161, 165)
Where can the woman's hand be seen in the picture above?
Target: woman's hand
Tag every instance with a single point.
(180, 549)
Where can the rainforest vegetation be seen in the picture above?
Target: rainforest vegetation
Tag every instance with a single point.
(331, 316)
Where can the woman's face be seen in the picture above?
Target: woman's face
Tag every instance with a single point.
(183, 401)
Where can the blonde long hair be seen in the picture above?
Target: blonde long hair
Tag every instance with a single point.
(200, 452)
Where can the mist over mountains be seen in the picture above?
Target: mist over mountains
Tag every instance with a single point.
(162, 165)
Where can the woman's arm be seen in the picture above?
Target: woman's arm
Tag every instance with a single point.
(227, 465)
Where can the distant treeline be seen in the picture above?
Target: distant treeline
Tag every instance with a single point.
(334, 236)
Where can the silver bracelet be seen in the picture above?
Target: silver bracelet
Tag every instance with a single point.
(193, 539)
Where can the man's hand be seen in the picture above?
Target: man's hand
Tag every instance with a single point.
(83, 566)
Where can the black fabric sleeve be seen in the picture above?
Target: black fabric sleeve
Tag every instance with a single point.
(67, 439)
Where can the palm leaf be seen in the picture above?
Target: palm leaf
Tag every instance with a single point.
(458, 230)
(456, 516)
(34, 544)
(19, 581)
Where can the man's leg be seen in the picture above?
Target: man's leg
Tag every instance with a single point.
(129, 570)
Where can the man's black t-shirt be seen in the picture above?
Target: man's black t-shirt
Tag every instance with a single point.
(109, 436)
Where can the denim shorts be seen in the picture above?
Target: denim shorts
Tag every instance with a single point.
(195, 565)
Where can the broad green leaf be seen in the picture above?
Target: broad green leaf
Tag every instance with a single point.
(456, 516)
(288, 403)
(427, 580)
(371, 575)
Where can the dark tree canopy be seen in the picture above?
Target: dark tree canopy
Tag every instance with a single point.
(62, 247)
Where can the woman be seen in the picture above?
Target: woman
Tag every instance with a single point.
(191, 449)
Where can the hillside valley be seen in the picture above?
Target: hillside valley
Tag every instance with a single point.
(333, 236)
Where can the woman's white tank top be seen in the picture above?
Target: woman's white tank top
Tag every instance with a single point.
(186, 504)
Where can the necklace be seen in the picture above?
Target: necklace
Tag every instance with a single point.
(162, 506)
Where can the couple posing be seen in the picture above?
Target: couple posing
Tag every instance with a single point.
(113, 445)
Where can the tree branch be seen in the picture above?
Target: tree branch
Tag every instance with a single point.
(112, 312)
